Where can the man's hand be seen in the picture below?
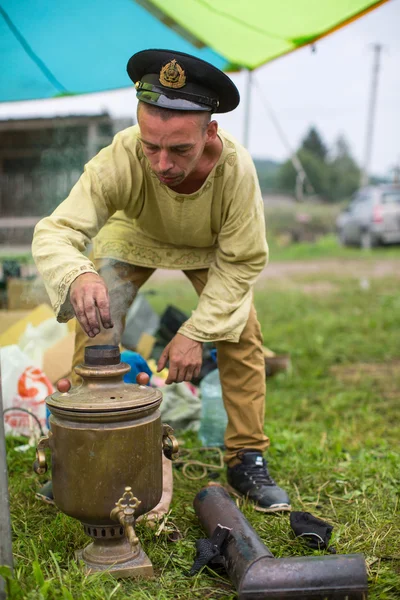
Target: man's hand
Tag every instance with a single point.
(89, 294)
(185, 358)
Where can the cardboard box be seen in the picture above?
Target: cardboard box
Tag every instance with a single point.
(71, 325)
(13, 333)
(8, 318)
(57, 360)
(25, 294)
(13, 322)
(145, 345)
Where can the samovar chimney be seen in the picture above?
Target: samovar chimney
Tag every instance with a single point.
(104, 354)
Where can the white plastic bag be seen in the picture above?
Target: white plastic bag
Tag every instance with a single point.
(36, 340)
(26, 386)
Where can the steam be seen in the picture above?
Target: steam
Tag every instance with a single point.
(122, 292)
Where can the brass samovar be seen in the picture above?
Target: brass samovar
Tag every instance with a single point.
(106, 440)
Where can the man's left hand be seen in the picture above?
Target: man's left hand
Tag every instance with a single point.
(185, 357)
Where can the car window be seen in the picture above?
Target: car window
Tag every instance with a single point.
(359, 200)
(356, 198)
(391, 197)
(365, 197)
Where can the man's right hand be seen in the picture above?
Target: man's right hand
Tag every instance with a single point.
(89, 298)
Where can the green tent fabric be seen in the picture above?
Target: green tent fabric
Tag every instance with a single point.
(249, 33)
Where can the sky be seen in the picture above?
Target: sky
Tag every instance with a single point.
(328, 88)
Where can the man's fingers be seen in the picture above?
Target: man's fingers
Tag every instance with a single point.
(89, 294)
(162, 361)
(189, 374)
(172, 374)
(197, 372)
(91, 314)
(177, 374)
(81, 316)
(103, 304)
(180, 375)
(185, 357)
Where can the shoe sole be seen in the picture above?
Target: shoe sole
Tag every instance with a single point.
(282, 507)
(45, 499)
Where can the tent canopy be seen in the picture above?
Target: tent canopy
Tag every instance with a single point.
(253, 32)
(74, 46)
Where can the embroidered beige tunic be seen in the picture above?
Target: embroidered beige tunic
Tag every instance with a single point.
(136, 219)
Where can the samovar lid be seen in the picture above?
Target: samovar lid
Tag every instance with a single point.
(103, 389)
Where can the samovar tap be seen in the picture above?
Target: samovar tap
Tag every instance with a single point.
(124, 512)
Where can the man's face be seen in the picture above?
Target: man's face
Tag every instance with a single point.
(173, 146)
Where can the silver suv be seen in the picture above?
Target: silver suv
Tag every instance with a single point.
(372, 218)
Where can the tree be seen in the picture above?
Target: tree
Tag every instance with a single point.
(312, 155)
(314, 144)
(334, 176)
(315, 169)
(344, 173)
(267, 171)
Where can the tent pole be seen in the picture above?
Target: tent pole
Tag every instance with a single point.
(247, 108)
(6, 557)
(301, 177)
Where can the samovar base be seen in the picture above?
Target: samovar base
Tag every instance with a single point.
(111, 551)
(138, 566)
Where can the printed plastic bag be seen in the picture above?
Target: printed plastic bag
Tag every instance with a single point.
(24, 386)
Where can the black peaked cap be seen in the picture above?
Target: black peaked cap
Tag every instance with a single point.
(180, 81)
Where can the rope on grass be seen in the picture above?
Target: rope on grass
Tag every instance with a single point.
(195, 465)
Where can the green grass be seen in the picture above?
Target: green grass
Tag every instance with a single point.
(313, 224)
(283, 217)
(327, 246)
(324, 247)
(334, 425)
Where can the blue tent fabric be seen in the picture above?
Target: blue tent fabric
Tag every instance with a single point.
(42, 42)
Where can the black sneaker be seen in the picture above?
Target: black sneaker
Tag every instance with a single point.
(45, 494)
(251, 479)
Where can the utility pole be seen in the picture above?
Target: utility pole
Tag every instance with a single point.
(247, 109)
(371, 114)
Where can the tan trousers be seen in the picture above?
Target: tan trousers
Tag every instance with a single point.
(241, 365)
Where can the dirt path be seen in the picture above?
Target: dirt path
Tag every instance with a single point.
(325, 267)
(336, 267)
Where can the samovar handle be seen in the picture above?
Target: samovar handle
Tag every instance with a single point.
(40, 465)
(170, 443)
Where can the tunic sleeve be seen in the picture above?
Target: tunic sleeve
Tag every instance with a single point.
(225, 302)
(60, 240)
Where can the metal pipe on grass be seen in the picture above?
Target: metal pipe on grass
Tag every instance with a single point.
(257, 575)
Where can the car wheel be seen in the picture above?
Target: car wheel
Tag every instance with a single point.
(367, 240)
(342, 238)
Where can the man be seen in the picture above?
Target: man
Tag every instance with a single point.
(173, 192)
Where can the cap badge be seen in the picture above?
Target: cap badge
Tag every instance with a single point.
(172, 75)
